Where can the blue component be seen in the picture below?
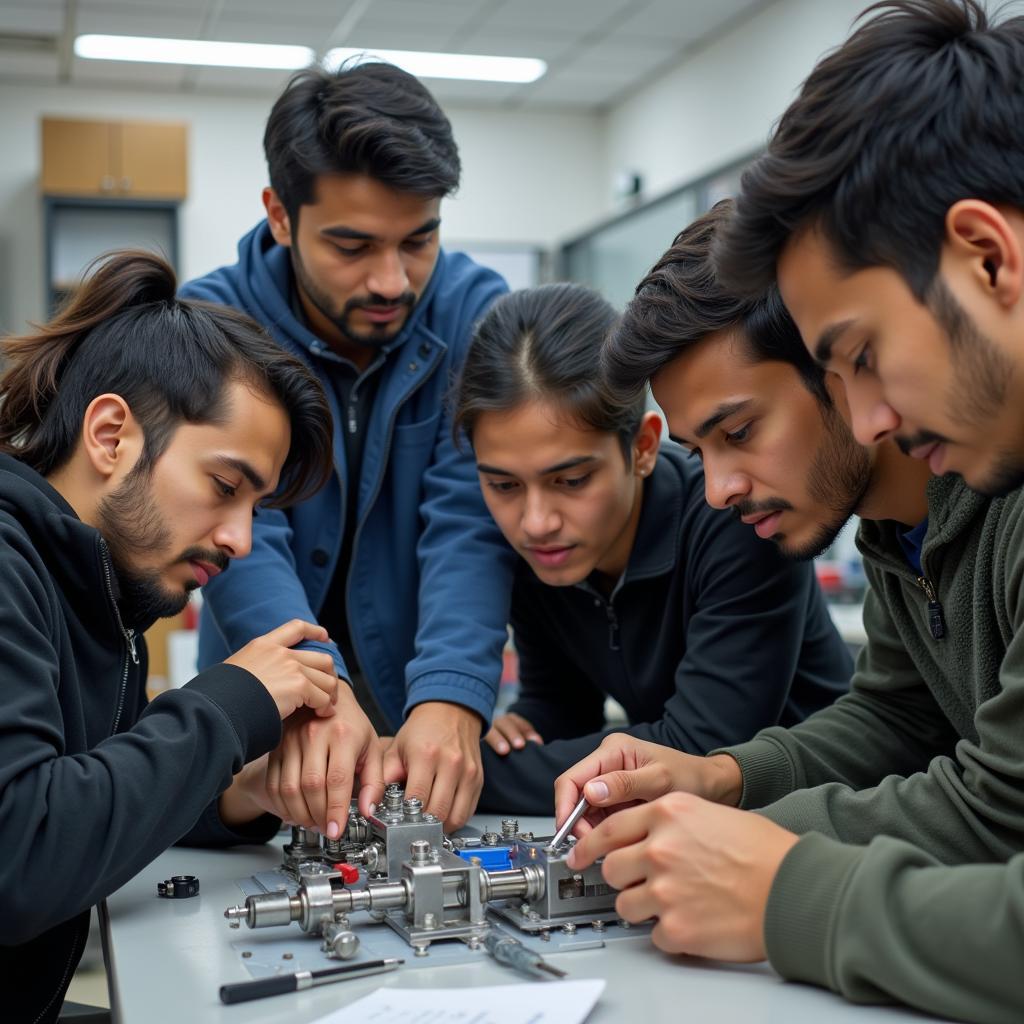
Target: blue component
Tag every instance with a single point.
(492, 858)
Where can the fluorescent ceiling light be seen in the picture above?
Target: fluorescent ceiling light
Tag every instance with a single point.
(448, 65)
(152, 50)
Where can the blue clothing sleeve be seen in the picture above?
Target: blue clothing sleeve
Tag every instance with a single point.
(257, 595)
(465, 565)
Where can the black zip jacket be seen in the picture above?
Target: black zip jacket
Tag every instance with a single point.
(94, 783)
(710, 633)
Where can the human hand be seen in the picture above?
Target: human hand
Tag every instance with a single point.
(625, 771)
(310, 776)
(293, 678)
(702, 870)
(437, 753)
(510, 731)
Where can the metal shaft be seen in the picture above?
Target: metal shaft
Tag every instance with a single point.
(569, 824)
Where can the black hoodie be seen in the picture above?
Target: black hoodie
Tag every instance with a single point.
(94, 782)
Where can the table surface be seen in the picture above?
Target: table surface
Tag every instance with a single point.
(166, 961)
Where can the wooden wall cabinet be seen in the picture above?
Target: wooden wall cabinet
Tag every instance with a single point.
(130, 159)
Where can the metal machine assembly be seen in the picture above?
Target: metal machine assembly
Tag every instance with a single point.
(433, 888)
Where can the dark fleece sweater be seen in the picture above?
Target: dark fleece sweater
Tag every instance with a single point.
(920, 766)
(710, 635)
(94, 783)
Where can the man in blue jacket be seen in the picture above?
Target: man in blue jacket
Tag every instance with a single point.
(397, 556)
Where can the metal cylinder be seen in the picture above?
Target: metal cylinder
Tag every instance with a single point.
(375, 896)
(526, 883)
(419, 850)
(509, 828)
(268, 909)
(340, 942)
(412, 809)
(393, 795)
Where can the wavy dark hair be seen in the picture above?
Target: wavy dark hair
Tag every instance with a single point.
(922, 106)
(681, 302)
(544, 344)
(124, 331)
(367, 118)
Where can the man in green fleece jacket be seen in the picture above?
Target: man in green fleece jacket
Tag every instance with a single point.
(913, 295)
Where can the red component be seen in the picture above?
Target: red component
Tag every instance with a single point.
(349, 873)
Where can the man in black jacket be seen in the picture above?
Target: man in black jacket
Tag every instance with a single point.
(138, 434)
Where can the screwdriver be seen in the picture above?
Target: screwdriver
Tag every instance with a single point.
(569, 824)
(508, 950)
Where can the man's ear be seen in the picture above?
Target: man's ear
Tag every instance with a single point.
(112, 439)
(646, 443)
(981, 240)
(277, 217)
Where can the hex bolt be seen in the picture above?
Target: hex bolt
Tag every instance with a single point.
(569, 928)
(412, 809)
(598, 926)
(509, 827)
(490, 839)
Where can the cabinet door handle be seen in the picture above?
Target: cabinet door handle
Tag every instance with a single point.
(107, 183)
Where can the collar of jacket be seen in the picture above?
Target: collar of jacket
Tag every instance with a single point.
(269, 267)
(72, 550)
(952, 509)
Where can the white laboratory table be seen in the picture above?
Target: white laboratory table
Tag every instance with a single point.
(166, 961)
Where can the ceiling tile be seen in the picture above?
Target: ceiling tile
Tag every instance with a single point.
(31, 20)
(683, 21)
(167, 24)
(559, 16)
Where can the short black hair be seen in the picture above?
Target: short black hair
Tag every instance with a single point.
(367, 118)
(125, 332)
(921, 107)
(544, 344)
(681, 302)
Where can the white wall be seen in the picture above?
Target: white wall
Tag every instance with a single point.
(721, 102)
(528, 179)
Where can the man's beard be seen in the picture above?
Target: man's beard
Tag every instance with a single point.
(379, 334)
(980, 386)
(131, 524)
(837, 480)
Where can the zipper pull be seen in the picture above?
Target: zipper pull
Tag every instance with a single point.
(936, 620)
(129, 635)
(613, 628)
(353, 423)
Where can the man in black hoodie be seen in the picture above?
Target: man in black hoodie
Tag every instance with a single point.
(138, 433)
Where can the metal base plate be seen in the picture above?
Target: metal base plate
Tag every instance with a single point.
(270, 951)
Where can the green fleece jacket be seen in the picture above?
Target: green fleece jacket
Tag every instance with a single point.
(927, 749)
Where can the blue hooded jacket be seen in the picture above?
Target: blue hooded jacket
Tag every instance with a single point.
(428, 589)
